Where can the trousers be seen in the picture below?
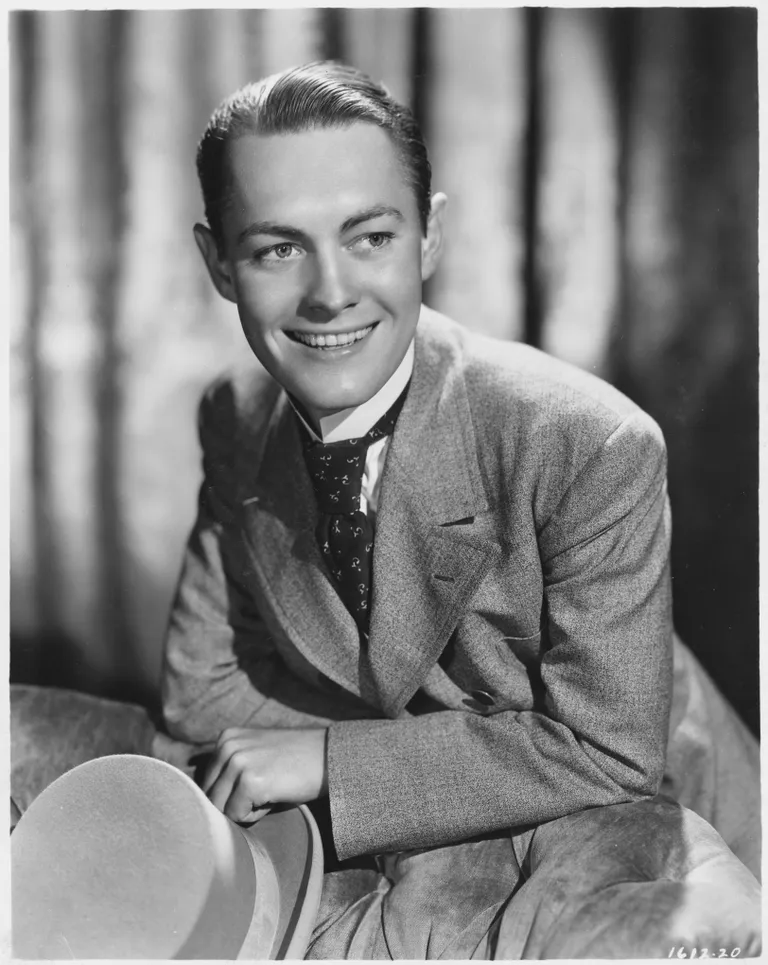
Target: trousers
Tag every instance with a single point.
(436, 903)
(627, 880)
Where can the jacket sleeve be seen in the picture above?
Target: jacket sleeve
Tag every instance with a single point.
(600, 737)
(220, 666)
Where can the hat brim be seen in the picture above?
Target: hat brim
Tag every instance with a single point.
(291, 839)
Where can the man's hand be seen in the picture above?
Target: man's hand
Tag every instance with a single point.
(253, 768)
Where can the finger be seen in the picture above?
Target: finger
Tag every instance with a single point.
(256, 815)
(246, 799)
(213, 770)
(220, 790)
(225, 748)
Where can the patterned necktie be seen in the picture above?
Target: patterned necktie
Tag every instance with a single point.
(344, 532)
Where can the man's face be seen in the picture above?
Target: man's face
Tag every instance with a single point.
(325, 258)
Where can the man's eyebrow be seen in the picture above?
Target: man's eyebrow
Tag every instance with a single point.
(378, 211)
(269, 228)
(286, 231)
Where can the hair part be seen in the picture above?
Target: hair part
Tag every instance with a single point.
(318, 95)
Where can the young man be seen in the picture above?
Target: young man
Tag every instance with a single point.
(429, 577)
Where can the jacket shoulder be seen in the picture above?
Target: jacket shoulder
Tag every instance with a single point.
(538, 422)
(513, 385)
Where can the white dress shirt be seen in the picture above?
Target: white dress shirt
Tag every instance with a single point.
(356, 421)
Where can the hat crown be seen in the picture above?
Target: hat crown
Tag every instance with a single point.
(138, 864)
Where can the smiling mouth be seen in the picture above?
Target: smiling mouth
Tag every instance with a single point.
(331, 341)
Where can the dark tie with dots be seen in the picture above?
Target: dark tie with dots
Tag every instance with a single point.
(344, 532)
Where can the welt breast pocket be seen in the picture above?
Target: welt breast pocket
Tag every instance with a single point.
(525, 649)
(496, 670)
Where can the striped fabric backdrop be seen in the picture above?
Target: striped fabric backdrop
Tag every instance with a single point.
(601, 171)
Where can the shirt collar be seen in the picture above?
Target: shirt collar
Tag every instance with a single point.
(356, 421)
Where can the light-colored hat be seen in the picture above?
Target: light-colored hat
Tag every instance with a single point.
(125, 857)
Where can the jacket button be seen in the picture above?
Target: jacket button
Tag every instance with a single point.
(484, 698)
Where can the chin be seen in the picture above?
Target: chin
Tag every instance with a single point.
(324, 403)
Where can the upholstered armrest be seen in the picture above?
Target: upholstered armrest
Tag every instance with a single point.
(54, 730)
(631, 881)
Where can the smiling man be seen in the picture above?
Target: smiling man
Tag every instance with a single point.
(428, 586)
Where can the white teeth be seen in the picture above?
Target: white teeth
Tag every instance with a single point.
(331, 341)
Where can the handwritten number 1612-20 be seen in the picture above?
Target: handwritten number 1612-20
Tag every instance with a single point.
(682, 952)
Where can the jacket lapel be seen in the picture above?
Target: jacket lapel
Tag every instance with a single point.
(279, 520)
(434, 541)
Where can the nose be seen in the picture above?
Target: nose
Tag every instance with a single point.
(332, 287)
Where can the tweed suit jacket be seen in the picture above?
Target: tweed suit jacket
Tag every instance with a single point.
(519, 665)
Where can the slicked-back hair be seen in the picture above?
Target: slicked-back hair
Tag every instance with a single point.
(318, 95)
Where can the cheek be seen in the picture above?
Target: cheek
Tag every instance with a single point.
(262, 303)
(400, 280)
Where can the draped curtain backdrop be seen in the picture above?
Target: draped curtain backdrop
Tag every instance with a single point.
(601, 167)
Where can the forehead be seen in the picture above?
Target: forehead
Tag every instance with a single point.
(322, 170)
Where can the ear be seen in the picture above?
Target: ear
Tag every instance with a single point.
(218, 267)
(432, 244)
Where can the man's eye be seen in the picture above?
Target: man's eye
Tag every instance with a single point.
(375, 240)
(281, 252)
